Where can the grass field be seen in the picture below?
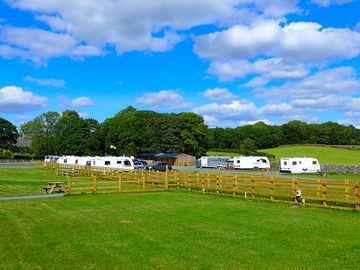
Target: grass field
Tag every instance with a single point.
(25, 181)
(325, 155)
(174, 230)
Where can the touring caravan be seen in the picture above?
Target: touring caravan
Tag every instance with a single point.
(251, 162)
(299, 165)
(214, 162)
(123, 163)
(51, 159)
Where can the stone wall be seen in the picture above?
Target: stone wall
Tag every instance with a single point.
(341, 168)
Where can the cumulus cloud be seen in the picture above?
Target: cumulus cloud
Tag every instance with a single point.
(57, 83)
(337, 81)
(295, 42)
(270, 69)
(217, 94)
(164, 98)
(326, 3)
(241, 111)
(16, 100)
(155, 27)
(81, 102)
(19, 42)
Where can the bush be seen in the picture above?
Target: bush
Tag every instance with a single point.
(5, 154)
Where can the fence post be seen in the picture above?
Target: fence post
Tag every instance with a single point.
(203, 184)
(94, 184)
(295, 187)
(166, 178)
(318, 189)
(120, 183)
(208, 181)
(69, 184)
(143, 180)
(190, 182)
(357, 196)
(234, 186)
(217, 185)
(252, 187)
(324, 193)
(177, 177)
(346, 189)
(272, 188)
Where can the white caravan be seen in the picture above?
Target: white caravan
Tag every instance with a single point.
(213, 162)
(123, 163)
(51, 159)
(251, 162)
(299, 165)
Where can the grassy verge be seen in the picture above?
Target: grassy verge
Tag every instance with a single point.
(174, 231)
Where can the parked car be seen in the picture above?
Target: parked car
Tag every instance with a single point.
(160, 166)
(138, 165)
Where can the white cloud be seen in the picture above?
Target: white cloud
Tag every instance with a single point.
(295, 42)
(256, 82)
(164, 98)
(241, 111)
(132, 25)
(270, 69)
(217, 94)
(20, 43)
(16, 100)
(326, 3)
(81, 102)
(337, 81)
(57, 83)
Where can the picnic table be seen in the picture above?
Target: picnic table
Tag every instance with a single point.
(55, 186)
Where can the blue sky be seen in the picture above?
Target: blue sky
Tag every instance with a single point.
(232, 61)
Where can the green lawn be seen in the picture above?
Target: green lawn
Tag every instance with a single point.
(326, 155)
(174, 230)
(25, 181)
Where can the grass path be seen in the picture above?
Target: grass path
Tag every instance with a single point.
(174, 230)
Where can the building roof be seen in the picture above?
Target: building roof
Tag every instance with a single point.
(161, 155)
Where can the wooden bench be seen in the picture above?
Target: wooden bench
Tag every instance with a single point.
(55, 186)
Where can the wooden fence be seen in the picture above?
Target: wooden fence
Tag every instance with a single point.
(325, 193)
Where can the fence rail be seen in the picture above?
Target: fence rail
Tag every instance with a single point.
(324, 193)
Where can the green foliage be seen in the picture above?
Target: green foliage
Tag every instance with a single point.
(5, 154)
(8, 135)
(247, 147)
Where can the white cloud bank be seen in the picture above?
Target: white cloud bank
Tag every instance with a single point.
(164, 98)
(81, 102)
(16, 100)
(219, 94)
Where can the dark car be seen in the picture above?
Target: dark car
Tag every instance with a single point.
(160, 166)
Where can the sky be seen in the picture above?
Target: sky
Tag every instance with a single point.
(234, 62)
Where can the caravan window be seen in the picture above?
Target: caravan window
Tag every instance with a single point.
(285, 162)
(258, 160)
(294, 163)
(76, 161)
(94, 162)
(107, 162)
(299, 162)
(263, 160)
(314, 162)
(127, 163)
(119, 162)
(65, 160)
(238, 161)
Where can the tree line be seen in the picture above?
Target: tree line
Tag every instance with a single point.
(132, 131)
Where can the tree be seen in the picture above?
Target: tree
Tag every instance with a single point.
(8, 135)
(41, 133)
(248, 147)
